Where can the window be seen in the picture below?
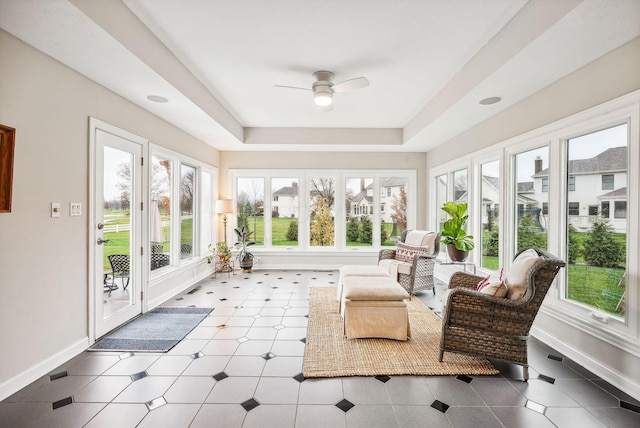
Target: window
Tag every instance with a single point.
(620, 210)
(394, 220)
(460, 186)
(532, 191)
(441, 199)
(545, 185)
(250, 207)
(321, 201)
(574, 208)
(545, 208)
(490, 194)
(187, 212)
(597, 248)
(359, 219)
(161, 224)
(284, 211)
(181, 213)
(316, 209)
(571, 184)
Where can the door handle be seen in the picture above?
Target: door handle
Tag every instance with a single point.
(103, 241)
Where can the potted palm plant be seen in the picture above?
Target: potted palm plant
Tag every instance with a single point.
(453, 234)
(244, 256)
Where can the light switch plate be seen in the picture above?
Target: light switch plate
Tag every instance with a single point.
(55, 209)
(75, 209)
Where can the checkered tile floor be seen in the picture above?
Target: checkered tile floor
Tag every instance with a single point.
(242, 367)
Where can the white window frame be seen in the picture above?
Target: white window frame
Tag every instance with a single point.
(620, 333)
(303, 177)
(200, 242)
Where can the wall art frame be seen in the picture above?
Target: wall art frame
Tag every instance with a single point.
(7, 147)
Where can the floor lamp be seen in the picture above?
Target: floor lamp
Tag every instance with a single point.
(224, 207)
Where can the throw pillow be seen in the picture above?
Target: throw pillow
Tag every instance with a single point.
(497, 276)
(406, 252)
(516, 279)
(495, 289)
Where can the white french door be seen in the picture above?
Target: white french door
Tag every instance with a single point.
(117, 225)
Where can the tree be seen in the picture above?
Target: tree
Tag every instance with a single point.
(491, 245)
(529, 234)
(399, 208)
(575, 250)
(124, 184)
(322, 228)
(384, 233)
(600, 247)
(366, 231)
(323, 188)
(292, 232)
(186, 191)
(352, 229)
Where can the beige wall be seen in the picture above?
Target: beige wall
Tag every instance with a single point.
(43, 261)
(607, 78)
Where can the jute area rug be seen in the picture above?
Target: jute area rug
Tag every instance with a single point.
(329, 354)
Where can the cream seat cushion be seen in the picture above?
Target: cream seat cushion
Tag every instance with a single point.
(373, 289)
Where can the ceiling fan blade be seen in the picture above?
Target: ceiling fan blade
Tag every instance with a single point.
(351, 84)
(290, 87)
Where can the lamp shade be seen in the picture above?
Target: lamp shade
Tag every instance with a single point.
(224, 206)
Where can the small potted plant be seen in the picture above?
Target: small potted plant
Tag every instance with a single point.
(244, 256)
(221, 250)
(453, 234)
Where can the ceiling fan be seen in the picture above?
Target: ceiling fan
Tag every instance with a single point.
(324, 88)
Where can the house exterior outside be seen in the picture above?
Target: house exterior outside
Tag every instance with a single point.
(285, 201)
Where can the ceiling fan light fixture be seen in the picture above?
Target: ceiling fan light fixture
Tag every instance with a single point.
(323, 99)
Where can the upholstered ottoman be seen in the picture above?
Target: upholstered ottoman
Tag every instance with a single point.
(375, 307)
(361, 271)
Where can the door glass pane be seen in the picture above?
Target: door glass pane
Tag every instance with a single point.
(284, 212)
(532, 183)
(187, 213)
(359, 208)
(490, 210)
(251, 207)
(321, 211)
(393, 206)
(117, 193)
(597, 244)
(160, 212)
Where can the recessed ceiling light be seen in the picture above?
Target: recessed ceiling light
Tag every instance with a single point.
(157, 99)
(490, 100)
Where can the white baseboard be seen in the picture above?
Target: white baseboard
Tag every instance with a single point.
(614, 377)
(22, 379)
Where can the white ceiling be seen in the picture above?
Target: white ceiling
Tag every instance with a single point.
(429, 62)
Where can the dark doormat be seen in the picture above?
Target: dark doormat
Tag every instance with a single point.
(158, 330)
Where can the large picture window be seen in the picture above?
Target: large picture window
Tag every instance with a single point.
(597, 245)
(311, 209)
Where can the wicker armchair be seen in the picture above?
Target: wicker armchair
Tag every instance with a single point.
(479, 324)
(416, 275)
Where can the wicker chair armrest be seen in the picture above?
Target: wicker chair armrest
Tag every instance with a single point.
(464, 280)
(473, 309)
(386, 254)
(422, 261)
